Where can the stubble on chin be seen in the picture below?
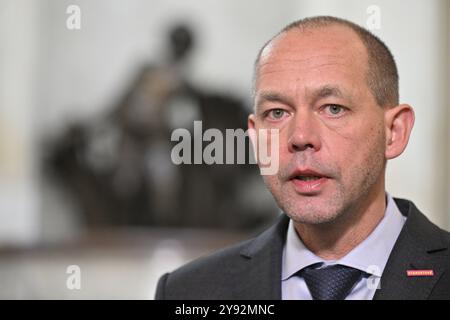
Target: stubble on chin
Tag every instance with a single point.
(326, 209)
(313, 210)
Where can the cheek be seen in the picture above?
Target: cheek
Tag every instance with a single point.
(357, 147)
(282, 146)
(372, 139)
(272, 183)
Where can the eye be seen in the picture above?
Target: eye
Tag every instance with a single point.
(276, 114)
(334, 109)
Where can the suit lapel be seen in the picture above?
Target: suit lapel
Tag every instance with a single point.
(417, 248)
(395, 282)
(262, 265)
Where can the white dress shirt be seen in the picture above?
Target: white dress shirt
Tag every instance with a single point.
(370, 256)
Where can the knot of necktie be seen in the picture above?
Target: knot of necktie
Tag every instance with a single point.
(333, 282)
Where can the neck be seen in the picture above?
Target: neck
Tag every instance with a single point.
(333, 240)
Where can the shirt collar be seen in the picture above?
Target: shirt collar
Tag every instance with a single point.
(369, 256)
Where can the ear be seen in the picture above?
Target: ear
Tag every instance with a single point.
(252, 129)
(399, 122)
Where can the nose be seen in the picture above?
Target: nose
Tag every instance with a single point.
(304, 133)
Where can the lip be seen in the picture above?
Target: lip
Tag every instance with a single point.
(311, 187)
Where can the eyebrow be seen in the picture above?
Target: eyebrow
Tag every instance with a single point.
(319, 93)
(272, 96)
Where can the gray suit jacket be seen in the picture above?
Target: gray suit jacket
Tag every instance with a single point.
(252, 269)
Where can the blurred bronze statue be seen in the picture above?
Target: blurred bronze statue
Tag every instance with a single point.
(119, 170)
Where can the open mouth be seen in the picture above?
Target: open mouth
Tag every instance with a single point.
(308, 182)
(307, 178)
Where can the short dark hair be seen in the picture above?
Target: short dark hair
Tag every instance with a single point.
(382, 74)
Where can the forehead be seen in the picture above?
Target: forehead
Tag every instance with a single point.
(303, 57)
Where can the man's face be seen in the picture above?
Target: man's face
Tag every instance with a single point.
(312, 86)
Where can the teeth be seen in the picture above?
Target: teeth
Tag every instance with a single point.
(308, 178)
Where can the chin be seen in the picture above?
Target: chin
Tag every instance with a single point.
(312, 217)
(311, 213)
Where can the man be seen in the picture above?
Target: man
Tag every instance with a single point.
(330, 88)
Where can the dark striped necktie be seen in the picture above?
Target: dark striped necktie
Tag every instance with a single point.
(333, 282)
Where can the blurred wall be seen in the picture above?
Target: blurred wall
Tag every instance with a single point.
(447, 107)
(447, 81)
(90, 66)
(50, 75)
(19, 196)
